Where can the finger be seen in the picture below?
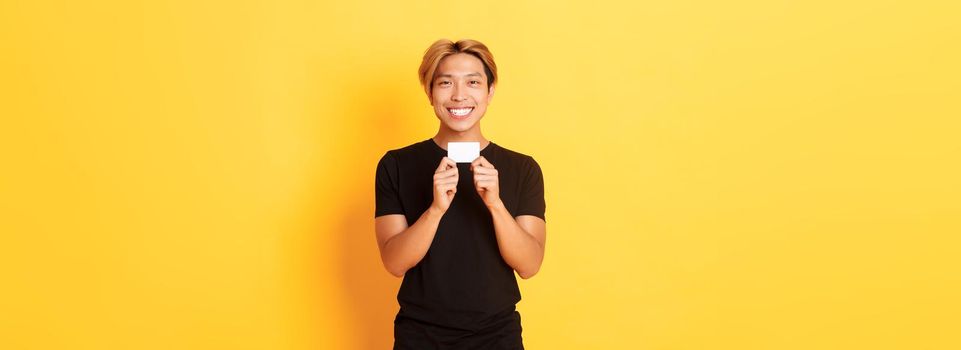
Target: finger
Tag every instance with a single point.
(449, 190)
(445, 163)
(446, 187)
(487, 163)
(446, 173)
(482, 162)
(483, 177)
(484, 184)
(445, 181)
(478, 168)
(482, 170)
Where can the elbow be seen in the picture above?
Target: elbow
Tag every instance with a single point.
(527, 274)
(395, 268)
(396, 271)
(528, 271)
(392, 264)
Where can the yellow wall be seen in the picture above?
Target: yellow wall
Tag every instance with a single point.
(719, 175)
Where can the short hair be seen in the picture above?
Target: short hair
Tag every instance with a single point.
(443, 48)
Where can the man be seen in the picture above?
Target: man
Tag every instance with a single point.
(457, 232)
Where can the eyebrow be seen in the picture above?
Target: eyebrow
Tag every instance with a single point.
(451, 76)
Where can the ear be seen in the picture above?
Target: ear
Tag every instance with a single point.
(490, 94)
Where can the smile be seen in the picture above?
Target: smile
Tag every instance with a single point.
(460, 112)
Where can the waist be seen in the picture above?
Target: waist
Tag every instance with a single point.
(453, 320)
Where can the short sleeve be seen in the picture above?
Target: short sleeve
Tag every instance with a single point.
(532, 191)
(386, 187)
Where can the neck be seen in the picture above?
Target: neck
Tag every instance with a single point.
(445, 135)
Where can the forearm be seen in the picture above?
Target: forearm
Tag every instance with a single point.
(406, 249)
(518, 247)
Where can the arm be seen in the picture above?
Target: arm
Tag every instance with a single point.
(402, 247)
(521, 240)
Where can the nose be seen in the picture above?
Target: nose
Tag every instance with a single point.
(458, 94)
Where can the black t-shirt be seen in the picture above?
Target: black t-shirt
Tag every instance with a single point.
(462, 281)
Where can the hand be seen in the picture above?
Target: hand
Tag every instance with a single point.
(486, 181)
(445, 184)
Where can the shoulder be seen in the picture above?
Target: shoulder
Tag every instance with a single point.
(398, 154)
(516, 159)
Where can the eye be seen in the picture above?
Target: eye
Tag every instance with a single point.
(475, 82)
(443, 82)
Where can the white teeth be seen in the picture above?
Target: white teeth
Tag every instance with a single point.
(460, 112)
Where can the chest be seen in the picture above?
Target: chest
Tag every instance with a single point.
(416, 188)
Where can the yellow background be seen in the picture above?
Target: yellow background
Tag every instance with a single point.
(719, 175)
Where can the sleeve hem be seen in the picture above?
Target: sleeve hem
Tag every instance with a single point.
(542, 216)
(388, 212)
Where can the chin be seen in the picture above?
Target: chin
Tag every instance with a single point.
(459, 127)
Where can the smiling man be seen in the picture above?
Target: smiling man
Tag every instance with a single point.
(457, 232)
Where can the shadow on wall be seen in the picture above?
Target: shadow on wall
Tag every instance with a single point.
(382, 121)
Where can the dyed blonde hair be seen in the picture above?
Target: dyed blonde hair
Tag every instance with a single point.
(443, 48)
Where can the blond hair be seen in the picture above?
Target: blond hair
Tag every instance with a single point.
(443, 48)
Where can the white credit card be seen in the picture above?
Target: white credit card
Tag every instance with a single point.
(463, 152)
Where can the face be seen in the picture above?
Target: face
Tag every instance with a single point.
(460, 92)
